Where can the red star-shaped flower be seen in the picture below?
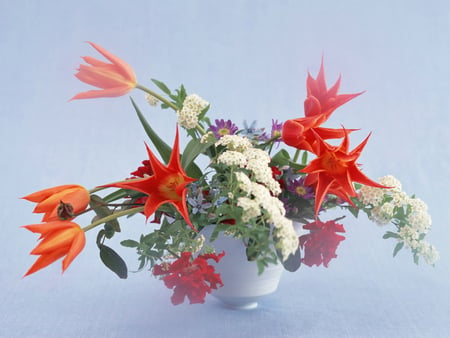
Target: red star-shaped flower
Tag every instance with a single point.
(334, 170)
(319, 104)
(166, 185)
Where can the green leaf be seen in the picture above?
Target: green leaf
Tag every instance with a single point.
(397, 248)
(163, 148)
(390, 234)
(113, 261)
(293, 262)
(281, 158)
(193, 170)
(354, 211)
(190, 153)
(101, 210)
(129, 243)
(161, 86)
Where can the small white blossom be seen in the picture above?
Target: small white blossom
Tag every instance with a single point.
(187, 118)
(391, 182)
(371, 195)
(382, 214)
(195, 103)
(419, 218)
(151, 100)
(231, 157)
(234, 142)
(288, 239)
(251, 208)
(192, 107)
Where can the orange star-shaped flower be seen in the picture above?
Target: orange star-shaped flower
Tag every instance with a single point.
(166, 185)
(334, 170)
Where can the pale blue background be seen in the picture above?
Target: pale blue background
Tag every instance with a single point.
(249, 59)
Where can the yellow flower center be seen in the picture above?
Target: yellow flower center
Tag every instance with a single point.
(300, 191)
(332, 164)
(169, 185)
(224, 131)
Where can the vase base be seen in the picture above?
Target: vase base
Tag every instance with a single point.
(238, 303)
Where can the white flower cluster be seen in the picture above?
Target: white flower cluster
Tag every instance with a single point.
(192, 107)
(241, 153)
(411, 239)
(151, 100)
(235, 142)
(259, 198)
(386, 203)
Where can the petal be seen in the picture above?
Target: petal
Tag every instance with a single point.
(55, 241)
(45, 228)
(77, 245)
(45, 260)
(41, 195)
(124, 67)
(111, 92)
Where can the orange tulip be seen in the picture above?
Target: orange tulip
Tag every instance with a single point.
(58, 239)
(115, 79)
(50, 199)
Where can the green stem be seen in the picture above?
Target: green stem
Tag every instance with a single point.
(200, 129)
(173, 253)
(113, 216)
(111, 185)
(296, 155)
(159, 97)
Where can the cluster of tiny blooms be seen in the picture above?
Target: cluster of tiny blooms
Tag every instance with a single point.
(384, 204)
(258, 198)
(192, 107)
(234, 142)
(255, 160)
(151, 100)
(384, 201)
(411, 239)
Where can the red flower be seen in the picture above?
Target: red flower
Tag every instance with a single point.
(142, 171)
(319, 104)
(334, 170)
(58, 239)
(320, 100)
(321, 243)
(166, 185)
(190, 278)
(114, 79)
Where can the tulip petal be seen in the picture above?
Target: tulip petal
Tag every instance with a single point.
(44, 261)
(124, 67)
(77, 246)
(111, 92)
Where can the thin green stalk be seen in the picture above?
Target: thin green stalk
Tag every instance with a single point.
(200, 129)
(113, 216)
(159, 97)
(296, 155)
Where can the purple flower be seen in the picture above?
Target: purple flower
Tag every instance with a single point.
(276, 130)
(223, 127)
(298, 188)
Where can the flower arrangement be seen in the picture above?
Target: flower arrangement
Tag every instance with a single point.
(252, 190)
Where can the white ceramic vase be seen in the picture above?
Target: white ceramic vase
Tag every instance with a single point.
(243, 287)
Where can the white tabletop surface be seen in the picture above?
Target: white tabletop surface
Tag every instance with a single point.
(250, 60)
